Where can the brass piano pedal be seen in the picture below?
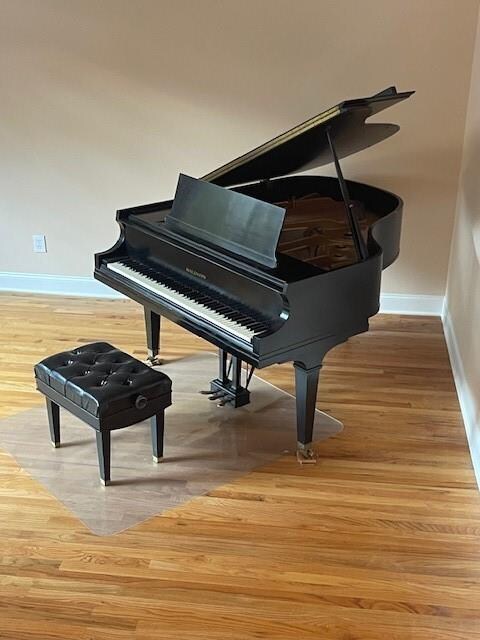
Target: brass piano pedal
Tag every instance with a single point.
(217, 395)
(306, 455)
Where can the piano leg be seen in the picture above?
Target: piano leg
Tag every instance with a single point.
(152, 325)
(306, 384)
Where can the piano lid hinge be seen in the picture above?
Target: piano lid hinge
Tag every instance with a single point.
(358, 240)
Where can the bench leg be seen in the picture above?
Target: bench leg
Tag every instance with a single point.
(53, 411)
(157, 425)
(103, 450)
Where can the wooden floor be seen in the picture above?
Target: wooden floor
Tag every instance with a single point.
(379, 541)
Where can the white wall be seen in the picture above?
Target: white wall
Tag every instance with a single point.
(103, 103)
(462, 320)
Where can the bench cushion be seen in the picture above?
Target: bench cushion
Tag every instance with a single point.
(102, 379)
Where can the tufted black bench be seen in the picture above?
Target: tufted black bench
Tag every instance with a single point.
(107, 389)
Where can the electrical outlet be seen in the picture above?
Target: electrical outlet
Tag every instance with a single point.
(39, 244)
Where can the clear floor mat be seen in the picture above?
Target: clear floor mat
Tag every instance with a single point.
(205, 446)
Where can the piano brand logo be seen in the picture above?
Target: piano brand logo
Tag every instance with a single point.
(196, 273)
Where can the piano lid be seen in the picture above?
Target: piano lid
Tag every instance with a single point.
(305, 146)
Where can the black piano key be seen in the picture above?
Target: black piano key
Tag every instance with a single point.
(222, 309)
(233, 315)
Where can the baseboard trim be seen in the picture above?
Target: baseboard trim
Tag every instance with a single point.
(414, 304)
(464, 393)
(420, 305)
(55, 285)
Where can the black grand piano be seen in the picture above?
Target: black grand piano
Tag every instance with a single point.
(268, 267)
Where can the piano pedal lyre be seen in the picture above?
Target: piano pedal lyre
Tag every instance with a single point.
(229, 390)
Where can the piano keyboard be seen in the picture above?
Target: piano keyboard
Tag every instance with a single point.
(194, 302)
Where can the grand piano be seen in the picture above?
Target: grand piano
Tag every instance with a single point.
(268, 266)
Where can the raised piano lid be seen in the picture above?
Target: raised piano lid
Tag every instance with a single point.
(305, 146)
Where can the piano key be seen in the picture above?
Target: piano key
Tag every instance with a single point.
(216, 312)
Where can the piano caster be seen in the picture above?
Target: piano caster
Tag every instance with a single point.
(153, 361)
(305, 454)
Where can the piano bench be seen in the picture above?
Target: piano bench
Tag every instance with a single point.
(107, 389)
